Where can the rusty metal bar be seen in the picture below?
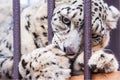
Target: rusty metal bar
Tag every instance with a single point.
(87, 37)
(51, 6)
(16, 36)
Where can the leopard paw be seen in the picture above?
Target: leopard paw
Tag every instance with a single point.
(101, 62)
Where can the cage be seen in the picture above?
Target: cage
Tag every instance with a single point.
(114, 43)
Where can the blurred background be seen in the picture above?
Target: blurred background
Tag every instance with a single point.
(28, 2)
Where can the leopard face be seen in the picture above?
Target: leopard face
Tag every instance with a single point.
(68, 26)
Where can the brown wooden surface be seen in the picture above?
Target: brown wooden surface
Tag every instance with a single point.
(108, 76)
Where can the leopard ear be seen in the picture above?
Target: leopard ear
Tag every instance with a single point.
(112, 17)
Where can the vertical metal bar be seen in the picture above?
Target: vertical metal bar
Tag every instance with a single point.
(51, 5)
(16, 36)
(87, 37)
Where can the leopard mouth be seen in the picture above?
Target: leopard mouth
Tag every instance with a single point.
(69, 51)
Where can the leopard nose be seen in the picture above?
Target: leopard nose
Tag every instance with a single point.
(69, 51)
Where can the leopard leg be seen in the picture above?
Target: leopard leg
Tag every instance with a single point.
(6, 67)
(103, 62)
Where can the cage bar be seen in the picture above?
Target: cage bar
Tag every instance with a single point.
(16, 36)
(51, 6)
(87, 37)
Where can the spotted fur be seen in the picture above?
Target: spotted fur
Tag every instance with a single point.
(54, 62)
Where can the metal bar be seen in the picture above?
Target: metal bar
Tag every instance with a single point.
(16, 36)
(51, 5)
(87, 37)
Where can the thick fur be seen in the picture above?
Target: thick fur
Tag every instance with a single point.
(41, 61)
(47, 63)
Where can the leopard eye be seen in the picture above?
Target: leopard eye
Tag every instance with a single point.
(65, 20)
